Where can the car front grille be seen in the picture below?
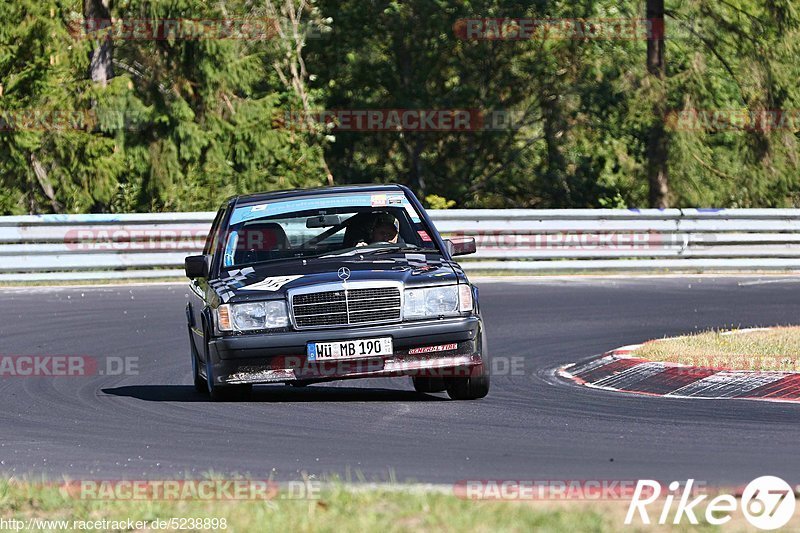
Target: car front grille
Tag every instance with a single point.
(345, 307)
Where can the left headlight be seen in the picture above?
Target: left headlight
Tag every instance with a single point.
(252, 316)
(450, 300)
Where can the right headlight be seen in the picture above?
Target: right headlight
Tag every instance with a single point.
(433, 302)
(252, 316)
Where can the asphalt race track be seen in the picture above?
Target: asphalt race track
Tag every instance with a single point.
(532, 426)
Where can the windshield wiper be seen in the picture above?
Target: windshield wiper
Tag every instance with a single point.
(354, 251)
(389, 249)
(370, 250)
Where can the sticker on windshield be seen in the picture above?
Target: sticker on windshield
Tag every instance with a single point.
(245, 213)
(378, 200)
(230, 248)
(270, 284)
(412, 212)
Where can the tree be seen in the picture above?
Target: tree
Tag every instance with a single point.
(97, 17)
(657, 136)
(176, 124)
(89, 124)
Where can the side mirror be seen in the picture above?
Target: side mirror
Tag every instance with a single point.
(197, 266)
(461, 245)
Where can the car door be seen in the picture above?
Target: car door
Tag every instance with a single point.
(199, 289)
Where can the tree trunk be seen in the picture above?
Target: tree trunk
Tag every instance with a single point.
(554, 126)
(97, 15)
(44, 182)
(657, 142)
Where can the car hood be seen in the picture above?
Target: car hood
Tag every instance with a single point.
(272, 280)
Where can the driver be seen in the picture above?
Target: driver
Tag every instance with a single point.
(384, 228)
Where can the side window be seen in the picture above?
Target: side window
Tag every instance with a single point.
(213, 234)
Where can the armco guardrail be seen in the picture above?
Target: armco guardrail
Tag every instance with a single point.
(53, 247)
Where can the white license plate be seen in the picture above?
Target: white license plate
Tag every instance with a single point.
(325, 351)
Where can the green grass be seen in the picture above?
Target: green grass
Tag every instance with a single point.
(771, 349)
(337, 509)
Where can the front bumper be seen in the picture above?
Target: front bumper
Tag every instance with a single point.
(445, 347)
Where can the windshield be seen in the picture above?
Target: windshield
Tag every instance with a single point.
(323, 226)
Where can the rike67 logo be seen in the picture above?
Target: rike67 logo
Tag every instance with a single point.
(767, 502)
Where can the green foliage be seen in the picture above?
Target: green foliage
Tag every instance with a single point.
(185, 123)
(434, 201)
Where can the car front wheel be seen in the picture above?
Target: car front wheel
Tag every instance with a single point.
(476, 385)
(223, 393)
(471, 388)
(428, 385)
(199, 381)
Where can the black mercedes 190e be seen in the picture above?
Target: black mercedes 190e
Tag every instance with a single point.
(333, 283)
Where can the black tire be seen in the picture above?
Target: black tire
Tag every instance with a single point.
(429, 385)
(199, 381)
(223, 393)
(471, 388)
(200, 384)
(476, 385)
